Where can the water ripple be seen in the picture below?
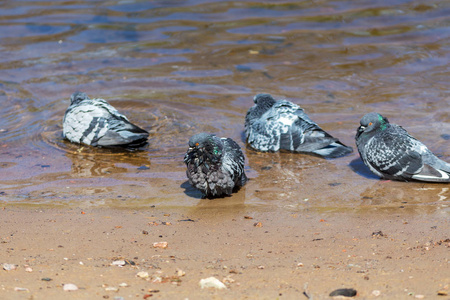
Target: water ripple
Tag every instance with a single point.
(180, 67)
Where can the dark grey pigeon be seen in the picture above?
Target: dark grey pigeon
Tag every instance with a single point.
(215, 165)
(95, 122)
(391, 153)
(272, 125)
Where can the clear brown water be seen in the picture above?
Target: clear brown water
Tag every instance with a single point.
(180, 67)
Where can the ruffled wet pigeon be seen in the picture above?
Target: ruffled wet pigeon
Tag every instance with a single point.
(391, 153)
(215, 165)
(272, 125)
(95, 122)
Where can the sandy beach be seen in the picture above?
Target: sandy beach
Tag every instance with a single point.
(257, 254)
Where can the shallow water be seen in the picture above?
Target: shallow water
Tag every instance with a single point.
(180, 67)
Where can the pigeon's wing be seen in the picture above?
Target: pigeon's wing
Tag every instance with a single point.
(295, 125)
(402, 156)
(272, 131)
(84, 122)
(233, 161)
(264, 135)
(393, 154)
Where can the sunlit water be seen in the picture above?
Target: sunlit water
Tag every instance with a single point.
(177, 68)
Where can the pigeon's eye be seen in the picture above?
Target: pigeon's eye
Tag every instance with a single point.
(370, 123)
(196, 144)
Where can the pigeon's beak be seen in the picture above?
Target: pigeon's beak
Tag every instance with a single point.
(360, 130)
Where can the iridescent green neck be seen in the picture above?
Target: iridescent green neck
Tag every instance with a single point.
(383, 123)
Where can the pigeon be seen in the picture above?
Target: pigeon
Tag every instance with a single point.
(215, 165)
(95, 122)
(391, 153)
(272, 125)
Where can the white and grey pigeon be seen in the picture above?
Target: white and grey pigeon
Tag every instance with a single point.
(95, 122)
(272, 125)
(215, 165)
(391, 153)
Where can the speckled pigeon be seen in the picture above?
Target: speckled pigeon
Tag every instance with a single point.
(215, 165)
(391, 153)
(95, 122)
(272, 125)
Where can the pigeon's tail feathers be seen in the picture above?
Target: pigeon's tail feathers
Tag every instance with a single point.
(122, 138)
(433, 169)
(334, 150)
(431, 174)
(131, 129)
(321, 143)
(244, 179)
(123, 133)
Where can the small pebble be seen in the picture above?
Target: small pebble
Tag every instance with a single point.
(111, 289)
(142, 274)
(228, 280)
(419, 296)
(212, 282)
(119, 263)
(28, 269)
(20, 289)
(180, 273)
(123, 284)
(162, 245)
(376, 293)
(9, 267)
(69, 287)
(343, 292)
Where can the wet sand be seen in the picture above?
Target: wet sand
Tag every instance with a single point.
(258, 253)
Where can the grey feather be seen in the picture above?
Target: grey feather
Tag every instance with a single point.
(391, 153)
(95, 122)
(215, 165)
(272, 125)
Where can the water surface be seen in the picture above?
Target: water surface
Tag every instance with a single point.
(180, 67)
